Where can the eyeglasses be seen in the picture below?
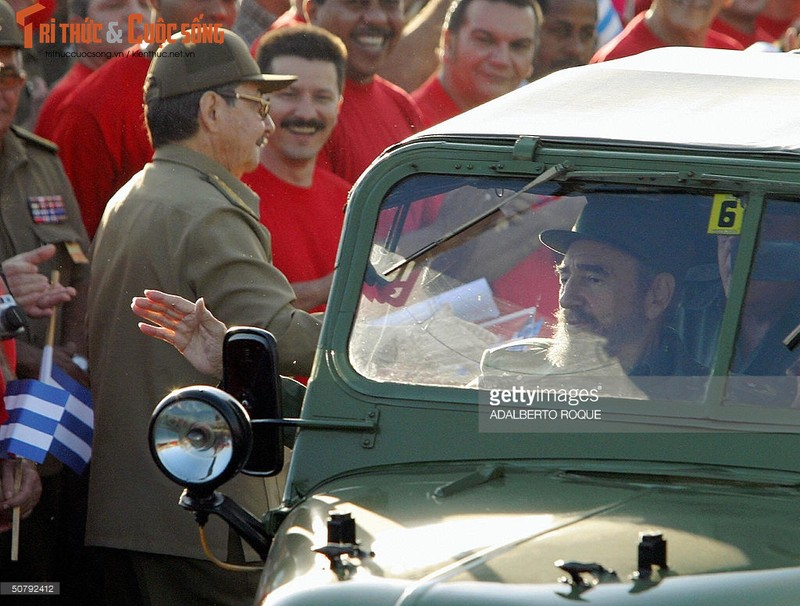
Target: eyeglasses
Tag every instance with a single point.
(10, 77)
(263, 103)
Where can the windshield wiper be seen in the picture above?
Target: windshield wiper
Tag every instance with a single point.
(792, 340)
(479, 223)
(471, 480)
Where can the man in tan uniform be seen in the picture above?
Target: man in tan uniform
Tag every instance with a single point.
(184, 224)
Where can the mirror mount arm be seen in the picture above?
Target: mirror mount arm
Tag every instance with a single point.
(242, 521)
(370, 423)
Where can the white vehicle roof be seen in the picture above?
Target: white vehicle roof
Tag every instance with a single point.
(676, 96)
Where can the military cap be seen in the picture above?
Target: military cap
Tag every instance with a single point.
(181, 67)
(10, 33)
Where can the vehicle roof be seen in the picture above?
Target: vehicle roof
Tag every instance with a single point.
(676, 96)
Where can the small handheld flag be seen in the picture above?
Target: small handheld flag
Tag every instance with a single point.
(52, 415)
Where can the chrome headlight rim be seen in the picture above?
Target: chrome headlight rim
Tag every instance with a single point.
(235, 427)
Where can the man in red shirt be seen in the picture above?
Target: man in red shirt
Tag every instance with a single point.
(91, 56)
(302, 204)
(375, 113)
(669, 23)
(414, 56)
(101, 134)
(568, 37)
(487, 49)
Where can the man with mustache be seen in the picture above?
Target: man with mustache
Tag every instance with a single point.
(623, 265)
(568, 37)
(302, 204)
(187, 224)
(375, 114)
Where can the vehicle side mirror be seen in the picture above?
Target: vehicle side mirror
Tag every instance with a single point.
(250, 375)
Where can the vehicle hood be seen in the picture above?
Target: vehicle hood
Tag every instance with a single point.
(632, 101)
(460, 529)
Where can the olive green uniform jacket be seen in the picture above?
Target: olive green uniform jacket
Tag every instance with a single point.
(186, 226)
(37, 207)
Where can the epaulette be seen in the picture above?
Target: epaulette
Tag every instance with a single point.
(35, 139)
(231, 195)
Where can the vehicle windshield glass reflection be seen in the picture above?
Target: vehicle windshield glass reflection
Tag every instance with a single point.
(570, 282)
(764, 371)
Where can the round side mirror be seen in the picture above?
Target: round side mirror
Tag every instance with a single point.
(200, 437)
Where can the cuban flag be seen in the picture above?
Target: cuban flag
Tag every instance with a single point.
(34, 412)
(53, 414)
(72, 440)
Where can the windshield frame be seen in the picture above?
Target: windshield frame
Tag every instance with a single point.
(437, 158)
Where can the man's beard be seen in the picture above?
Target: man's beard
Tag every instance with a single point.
(573, 349)
(590, 348)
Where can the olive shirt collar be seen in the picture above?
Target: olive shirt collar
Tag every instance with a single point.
(669, 359)
(212, 171)
(13, 154)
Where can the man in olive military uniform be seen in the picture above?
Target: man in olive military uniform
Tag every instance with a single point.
(184, 224)
(37, 206)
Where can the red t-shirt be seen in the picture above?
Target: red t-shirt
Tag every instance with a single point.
(50, 113)
(286, 19)
(373, 117)
(774, 27)
(305, 223)
(637, 37)
(743, 38)
(434, 102)
(532, 282)
(101, 133)
(10, 354)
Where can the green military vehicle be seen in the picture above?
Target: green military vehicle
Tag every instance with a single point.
(466, 439)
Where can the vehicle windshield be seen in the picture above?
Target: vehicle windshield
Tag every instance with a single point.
(764, 370)
(621, 286)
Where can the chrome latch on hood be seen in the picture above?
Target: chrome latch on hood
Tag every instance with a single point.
(577, 570)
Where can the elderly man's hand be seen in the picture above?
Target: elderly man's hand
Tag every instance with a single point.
(187, 326)
(25, 498)
(32, 290)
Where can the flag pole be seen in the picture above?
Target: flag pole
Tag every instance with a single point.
(46, 367)
(15, 515)
(44, 371)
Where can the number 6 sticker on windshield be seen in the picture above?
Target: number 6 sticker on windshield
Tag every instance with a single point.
(727, 212)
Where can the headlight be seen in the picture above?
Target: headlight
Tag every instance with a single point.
(200, 437)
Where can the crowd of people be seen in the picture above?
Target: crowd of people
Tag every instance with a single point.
(227, 187)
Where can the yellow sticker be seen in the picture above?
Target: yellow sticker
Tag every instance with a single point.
(76, 252)
(727, 212)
